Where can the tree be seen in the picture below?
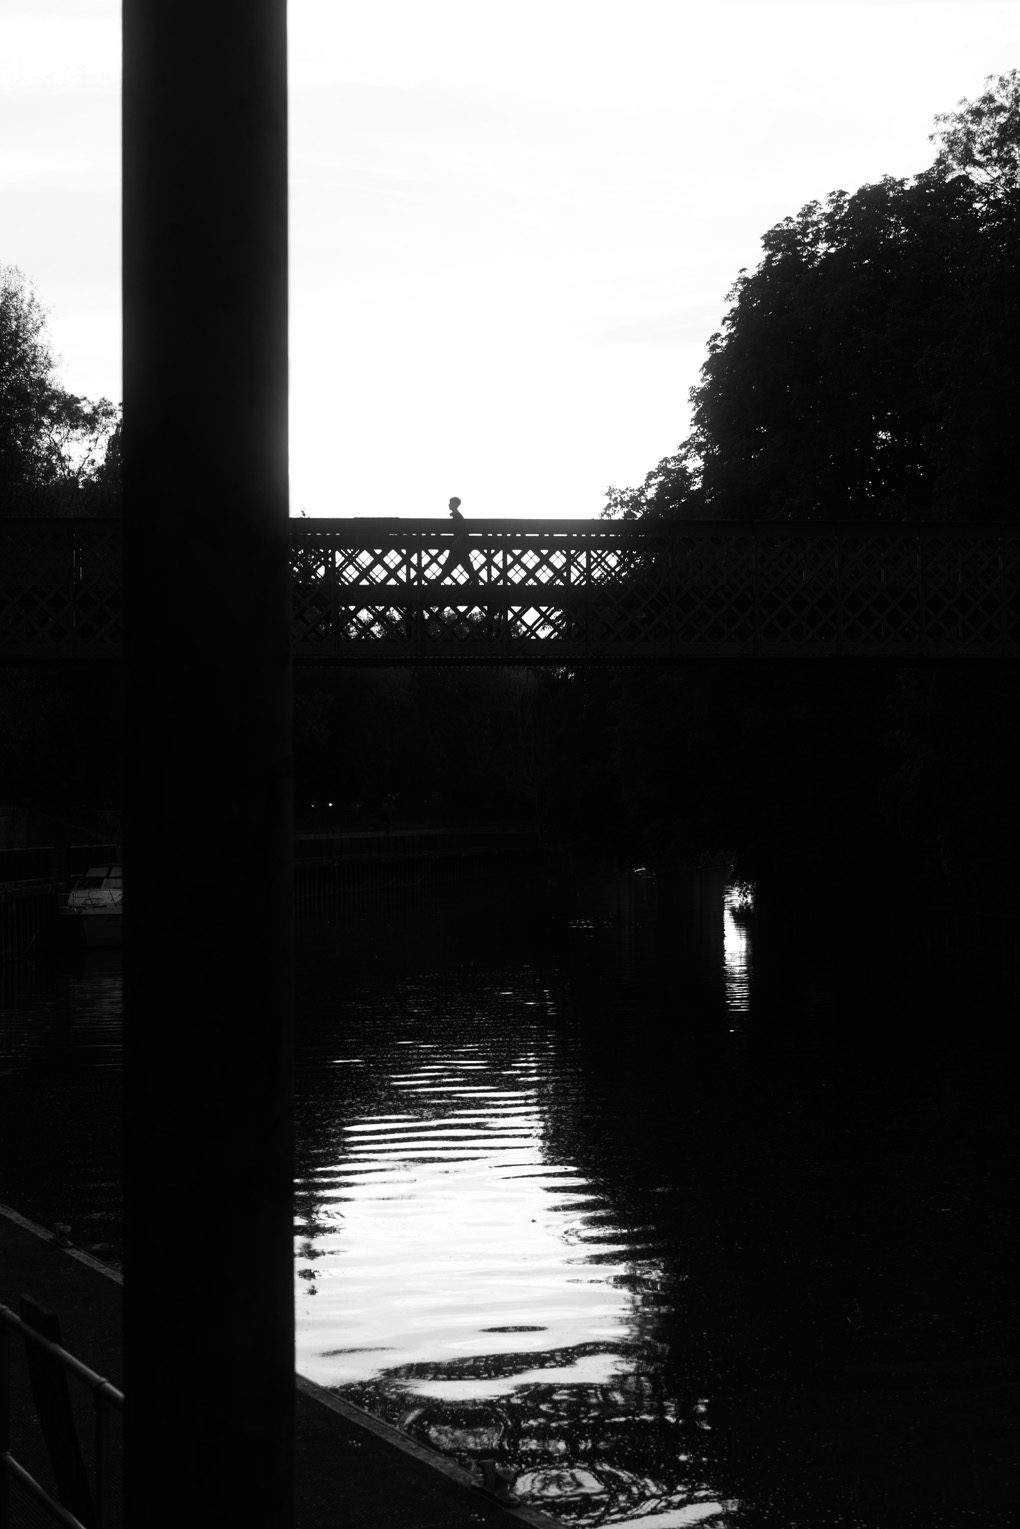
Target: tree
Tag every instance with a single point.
(980, 142)
(55, 447)
(867, 368)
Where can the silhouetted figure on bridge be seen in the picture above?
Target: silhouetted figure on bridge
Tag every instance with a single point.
(460, 553)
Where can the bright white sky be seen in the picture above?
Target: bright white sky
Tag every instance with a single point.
(513, 222)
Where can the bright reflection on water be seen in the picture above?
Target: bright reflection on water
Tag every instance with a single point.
(737, 905)
(463, 1178)
(463, 1273)
(578, 1194)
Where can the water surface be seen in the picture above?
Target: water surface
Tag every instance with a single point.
(673, 1239)
(61, 1094)
(679, 1218)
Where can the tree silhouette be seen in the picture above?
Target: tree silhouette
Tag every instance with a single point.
(59, 453)
(866, 368)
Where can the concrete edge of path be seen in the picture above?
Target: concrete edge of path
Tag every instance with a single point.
(47, 1234)
(360, 1419)
(353, 1416)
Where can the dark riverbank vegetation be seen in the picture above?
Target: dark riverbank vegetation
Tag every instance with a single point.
(865, 370)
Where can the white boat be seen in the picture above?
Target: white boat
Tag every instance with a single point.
(92, 913)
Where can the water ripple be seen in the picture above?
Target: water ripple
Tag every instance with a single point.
(461, 1274)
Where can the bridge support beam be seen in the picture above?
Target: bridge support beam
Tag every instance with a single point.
(208, 1265)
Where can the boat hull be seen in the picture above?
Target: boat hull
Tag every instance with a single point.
(88, 929)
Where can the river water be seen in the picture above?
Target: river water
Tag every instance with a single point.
(681, 1215)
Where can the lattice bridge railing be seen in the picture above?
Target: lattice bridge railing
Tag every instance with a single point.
(565, 592)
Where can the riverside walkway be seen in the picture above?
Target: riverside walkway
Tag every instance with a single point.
(352, 1470)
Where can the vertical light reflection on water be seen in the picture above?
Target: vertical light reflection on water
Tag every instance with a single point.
(737, 906)
(460, 1278)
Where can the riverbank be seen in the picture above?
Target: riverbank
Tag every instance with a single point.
(349, 1468)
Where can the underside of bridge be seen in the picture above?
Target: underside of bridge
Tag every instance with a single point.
(561, 592)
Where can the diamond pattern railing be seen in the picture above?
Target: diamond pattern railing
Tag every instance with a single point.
(565, 591)
(60, 590)
(560, 592)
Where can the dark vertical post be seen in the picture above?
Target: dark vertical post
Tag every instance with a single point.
(209, 1325)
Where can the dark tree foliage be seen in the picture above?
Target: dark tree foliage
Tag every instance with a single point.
(61, 741)
(60, 732)
(867, 368)
(582, 798)
(440, 746)
(980, 143)
(59, 454)
(783, 766)
(954, 741)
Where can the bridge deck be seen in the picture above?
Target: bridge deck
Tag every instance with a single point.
(564, 592)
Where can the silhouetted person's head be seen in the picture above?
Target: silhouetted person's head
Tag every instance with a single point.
(454, 506)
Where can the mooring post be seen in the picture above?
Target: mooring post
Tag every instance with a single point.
(209, 1376)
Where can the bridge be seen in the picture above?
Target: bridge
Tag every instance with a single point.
(564, 592)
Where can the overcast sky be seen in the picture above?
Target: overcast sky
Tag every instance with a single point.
(513, 225)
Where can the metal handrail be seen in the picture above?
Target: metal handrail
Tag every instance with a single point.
(378, 590)
(104, 1396)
